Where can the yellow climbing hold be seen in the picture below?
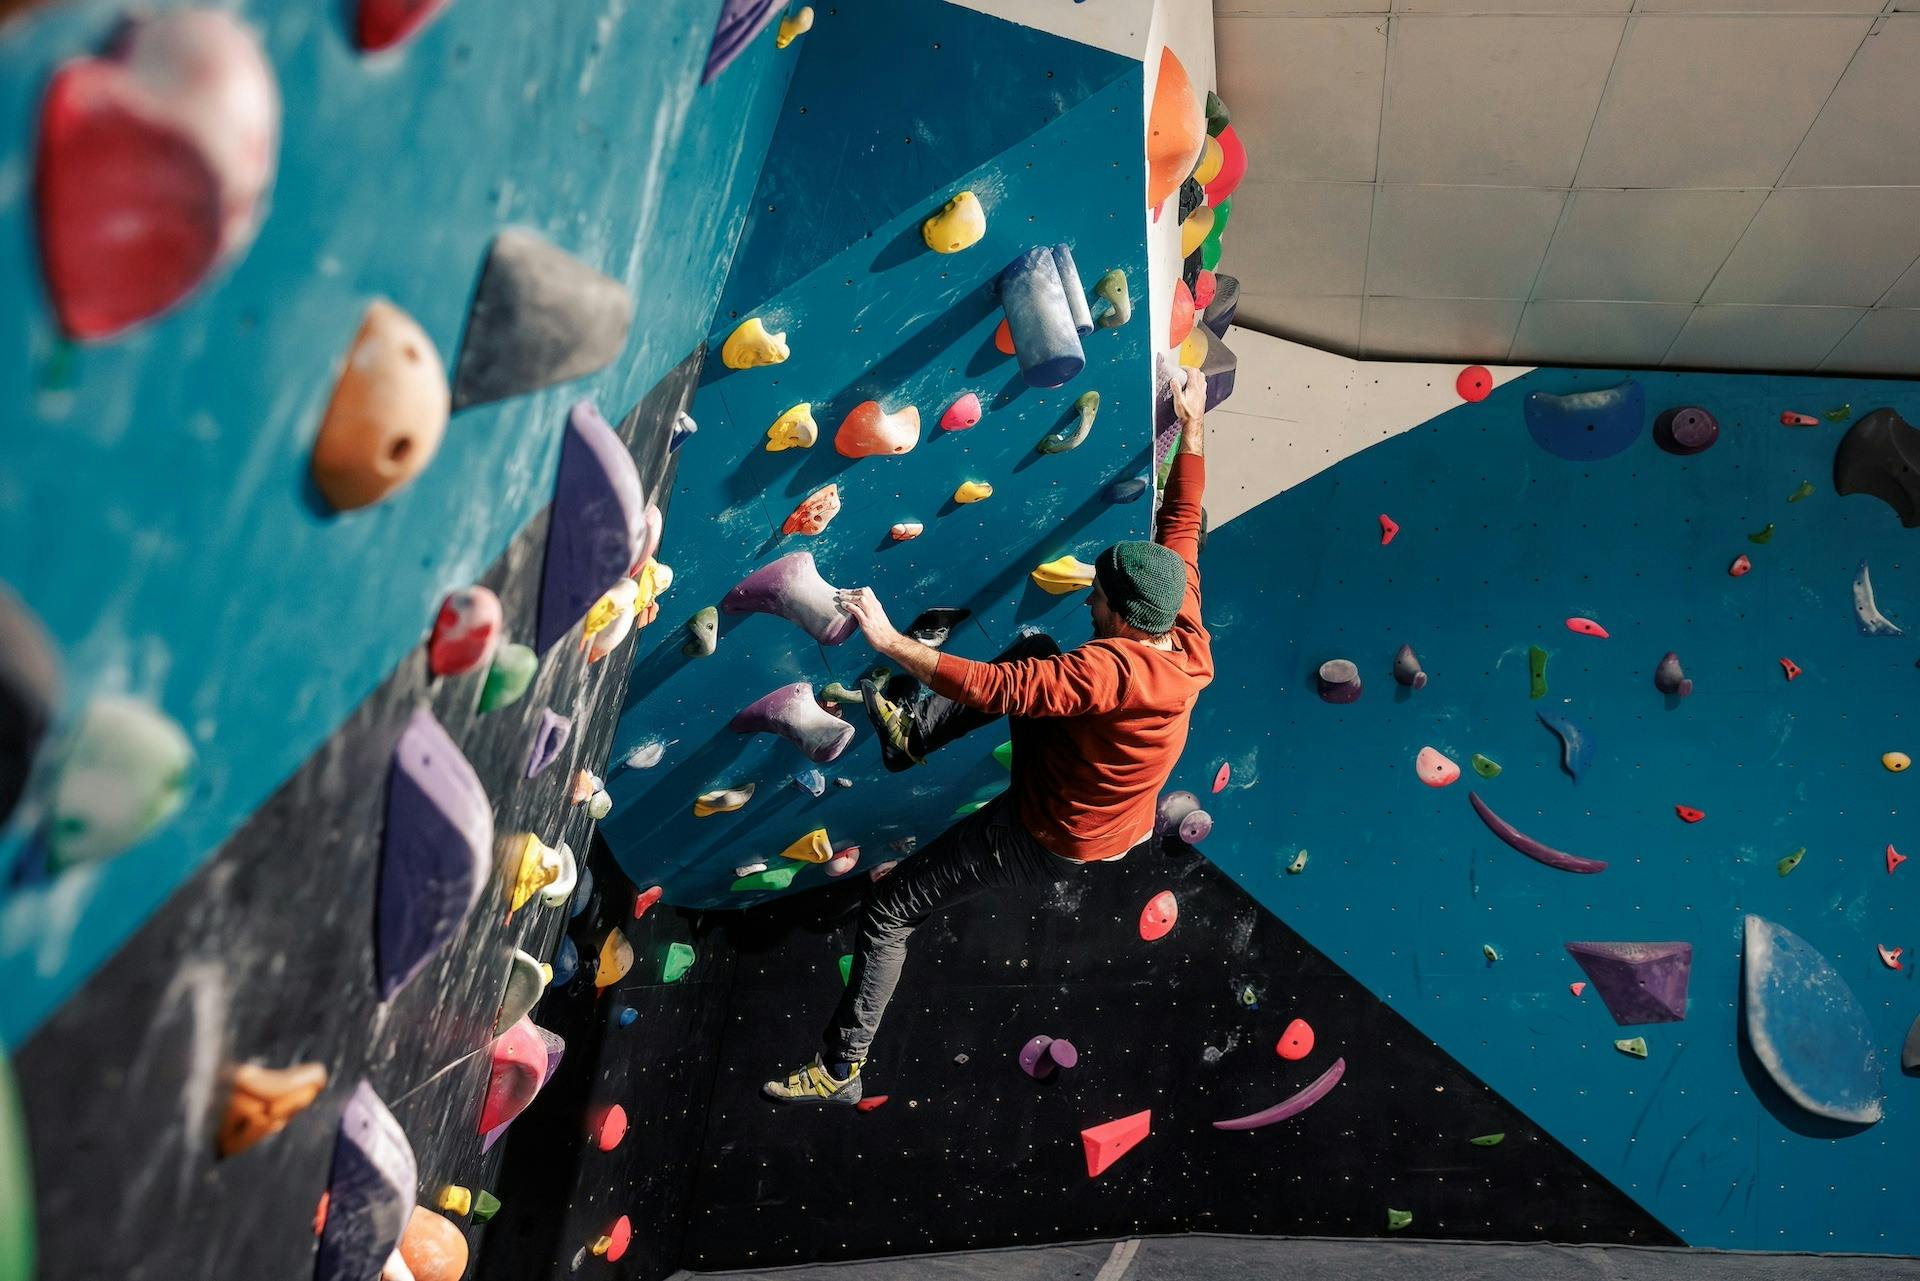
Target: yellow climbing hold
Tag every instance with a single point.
(724, 801)
(616, 958)
(455, 1199)
(1067, 574)
(794, 429)
(546, 974)
(960, 224)
(1195, 229)
(811, 848)
(792, 27)
(751, 345)
(972, 491)
(1193, 352)
(653, 578)
(1896, 762)
(540, 866)
(1212, 156)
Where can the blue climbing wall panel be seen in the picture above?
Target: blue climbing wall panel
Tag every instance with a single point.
(1501, 541)
(151, 489)
(888, 319)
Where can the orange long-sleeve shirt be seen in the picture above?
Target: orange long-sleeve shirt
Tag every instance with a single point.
(1099, 728)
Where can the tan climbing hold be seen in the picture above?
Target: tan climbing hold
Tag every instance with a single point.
(539, 866)
(794, 429)
(957, 226)
(263, 1101)
(972, 491)
(815, 512)
(907, 530)
(724, 801)
(750, 345)
(433, 1248)
(814, 847)
(793, 26)
(1067, 574)
(868, 431)
(387, 415)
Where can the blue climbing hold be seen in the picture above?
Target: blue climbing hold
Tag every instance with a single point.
(1586, 425)
(1576, 749)
(1806, 1027)
(582, 892)
(1041, 318)
(566, 962)
(627, 1015)
(1130, 490)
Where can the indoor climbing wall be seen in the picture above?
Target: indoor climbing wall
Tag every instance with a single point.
(1542, 557)
(863, 425)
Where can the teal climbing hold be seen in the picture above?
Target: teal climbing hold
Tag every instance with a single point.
(676, 963)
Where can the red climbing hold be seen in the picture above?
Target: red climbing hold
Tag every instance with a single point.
(1112, 1140)
(1894, 859)
(1889, 956)
(1181, 323)
(1220, 779)
(1158, 916)
(1740, 566)
(619, 1237)
(1474, 384)
(1586, 627)
(1296, 1042)
(1003, 339)
(608, 1128)
(1205, 285)
(465, 633)
(1388, 528)
(385, 23)
(1791, 668)
(871, 1102)
(1791, 419)
(647, 898)
(1577, 988)
(1688, 814)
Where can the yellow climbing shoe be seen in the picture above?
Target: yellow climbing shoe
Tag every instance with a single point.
(812, 1083)
(891, 725)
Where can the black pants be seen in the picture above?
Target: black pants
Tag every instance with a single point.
(986, 850)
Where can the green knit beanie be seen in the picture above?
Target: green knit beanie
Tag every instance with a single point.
(1144, 583)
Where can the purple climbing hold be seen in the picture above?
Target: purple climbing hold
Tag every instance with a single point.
(792, 713)
(548, 738)
(740, 21)
(1668, 677)
(791, 588)
(1687, 429)
(1640, 982)
(1041, 1057)
(1180, 815)
(598, 529)
(1339, 681)
(436, 853)
(370, 1191)
(1406, 669)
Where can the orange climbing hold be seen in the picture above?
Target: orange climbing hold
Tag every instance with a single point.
(1181, 323)
(1003, 339)
(815, 513)
(387, 415)
(1894, 859)
(1688, 814)
(1388, 528)
(870, 431)
(1176, 130)
(1296, 1042)
(264, 1100)
(1112, 1140)
(433, 1247)
(1158, 916)
(616, 958)
(1790, 419)
(1791, 668)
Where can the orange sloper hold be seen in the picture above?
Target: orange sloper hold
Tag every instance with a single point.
(1176, 130)
(1181, 323)
(616, 958)
(387, 415)
(433, 1247)
(264, 1100)
(813, 515)
(869, 431)
(1003, 338)
(1112, 1140)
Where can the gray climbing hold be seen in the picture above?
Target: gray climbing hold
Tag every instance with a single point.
(539, 317)
(1668, 677)
(1910, 1052)
(1406, 669)
(1576, 749)
(29, 695)
(1880, 456)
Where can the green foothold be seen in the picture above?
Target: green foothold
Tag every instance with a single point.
(1210, 253)
(1397, 1219)
(703, 633)
(1492, 953)
(485, 1206)
(774, 878)
(1249, 997)
(1791, 861)
(16, 1182)
(679, 960)
(1485, 766)
(1805, 491)
(1764, 536)
(1489, 1140)
(846, 969)
(1536, 672)
(1298, 865)
(969, 808)
(1636, 1046)
(1004, 754)
(1218, 117)
(508, 678)
(835, 692)
(1839, 414)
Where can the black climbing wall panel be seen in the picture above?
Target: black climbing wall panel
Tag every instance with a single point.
(266, 955)
(974, 1153)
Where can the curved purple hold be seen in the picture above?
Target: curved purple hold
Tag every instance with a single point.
(1687, 429)
(1291, 1107)
(369, 1191)
(436, 853)
(1339, 681)
(1668, 677)
(598, 522)
(740, 21)
(791, 588)
(1406, 669)
(548, 738)
(1196, 827)
(1173, 810)
(1041, 1057)
(1531, 848)
(792, 713)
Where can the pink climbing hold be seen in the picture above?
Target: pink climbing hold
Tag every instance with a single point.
(1158, 916)
(1894, 859)
(465, 633)
(1688, 814)
(1577, 988)
(842, 862)
(1791, 668)
(1109, 1142)
(1388, 528)
(519, 1070)
(1790, 419)
(1474, 384)
(962, 413)
(1435, 770)
(647, 898)
(1296, 1042)
(1221, 778)
(1740, 567)
(1586, 627)
(1889, 956)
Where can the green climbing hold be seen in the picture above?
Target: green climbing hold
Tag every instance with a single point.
(1397, 1219)
(1485, 766)
(679, 960)
(508, 678)
(1805, 491)
(1489, 1140)
(1839, 413)
(1298, 865)
(774, 878)
(969, 808)
(1636, 1046)
(16, 1181)
(1492, 953)
(1004, 754)
(1536, 672)
(1249, 996)
(846, 969)
(1763, 536)
(485, 1206)
(1791, 861)
(1218, 117)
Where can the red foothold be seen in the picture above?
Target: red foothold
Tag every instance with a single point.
(1003, 339)
(871, 1102)
(1740, 566)
(1474, 384)
(1889, 956)
(1296, 1042)
(1388, 528)
(1109, 1142)
(1688, 814)
(1205, 285)
(1894, 859)
(618, 1239)
(1576, 988)
(1586, 627)
(1791, 668)
(1158, 916)
(609, 1127)
(1220, 779)
(1791, 419)
(646, 900)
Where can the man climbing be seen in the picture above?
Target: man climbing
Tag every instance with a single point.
(1096, 731)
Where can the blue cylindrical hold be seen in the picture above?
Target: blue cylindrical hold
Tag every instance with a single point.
(566, 962)
(1039, 320)
(1075, 291)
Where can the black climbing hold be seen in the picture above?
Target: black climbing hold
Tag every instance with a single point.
(934, 626)
(1192, 196)
(539, 317)
(1880, 456)
(1226, 303)
(1686, 429)
(1910, 1052)
(29, 696)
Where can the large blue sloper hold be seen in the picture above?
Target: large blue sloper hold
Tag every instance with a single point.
(1586, 426)
(1040, 320)
(436, 853)
(369, 1193)
(739, 22)
(1075, 291)
(1807, 1028)
(598, 523)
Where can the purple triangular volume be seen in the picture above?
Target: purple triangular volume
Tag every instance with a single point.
(369, 1193)
(1640, 982)
(740, 21)
(599, 519)
(436, 852)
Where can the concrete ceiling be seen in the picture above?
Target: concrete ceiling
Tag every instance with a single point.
(1710, 184)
